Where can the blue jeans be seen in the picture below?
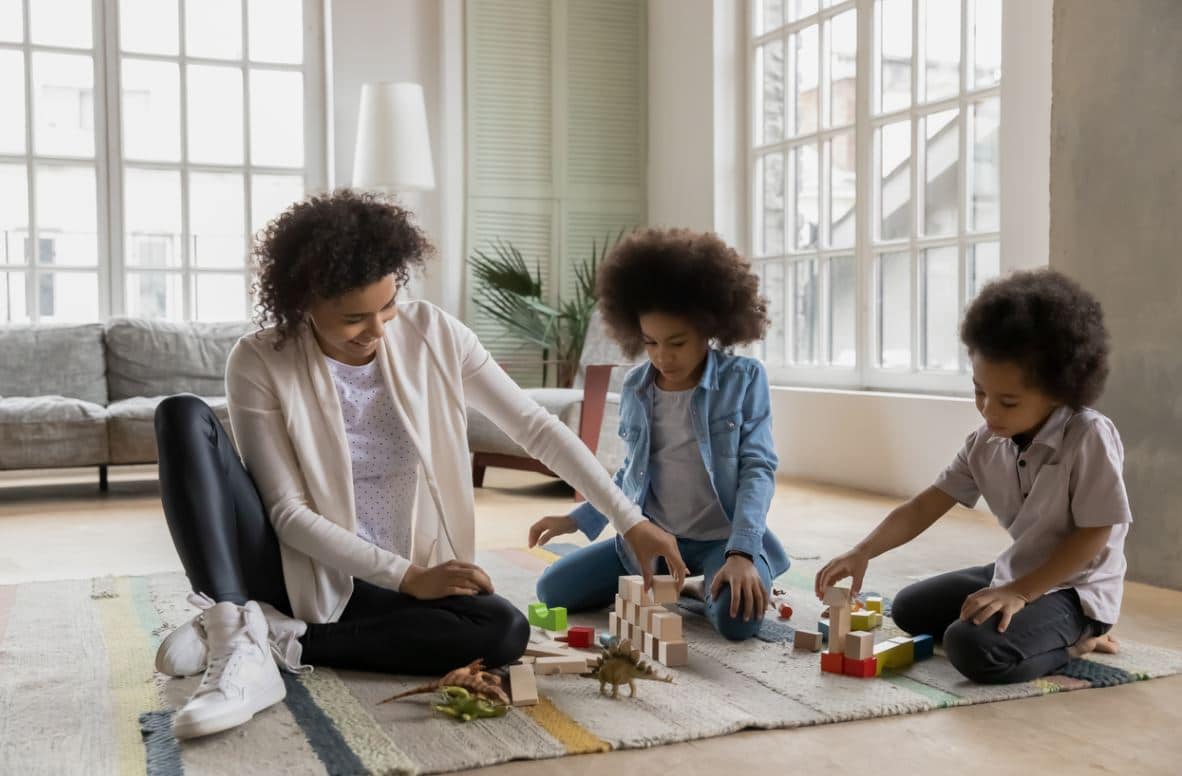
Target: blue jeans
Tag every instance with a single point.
(588, 579)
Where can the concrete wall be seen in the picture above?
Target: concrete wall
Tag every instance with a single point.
(1116, 226)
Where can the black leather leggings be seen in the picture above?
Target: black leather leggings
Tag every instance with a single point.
(230, 552)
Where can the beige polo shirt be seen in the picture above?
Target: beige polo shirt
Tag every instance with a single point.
(1069, 476)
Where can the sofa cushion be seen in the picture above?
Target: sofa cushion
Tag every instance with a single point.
(131, 426)
(161, 358)
(51, 431)
(49, 360)
(485, 437)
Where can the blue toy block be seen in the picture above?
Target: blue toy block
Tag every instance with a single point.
(924, 647)
(607, 640)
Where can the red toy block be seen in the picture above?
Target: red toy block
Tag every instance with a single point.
(580, 636)
(785, 611)
(831, 662)
(863, 669)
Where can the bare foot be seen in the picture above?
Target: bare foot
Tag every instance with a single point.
(1106, 644)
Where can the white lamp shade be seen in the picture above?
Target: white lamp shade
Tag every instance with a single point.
(393, 149)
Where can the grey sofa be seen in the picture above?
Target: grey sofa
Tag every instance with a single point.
(86, 395)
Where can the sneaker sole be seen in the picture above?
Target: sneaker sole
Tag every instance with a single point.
(206, 726)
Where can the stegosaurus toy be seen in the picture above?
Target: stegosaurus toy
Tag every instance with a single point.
(619, 664)
(464, 706)
(472, 678)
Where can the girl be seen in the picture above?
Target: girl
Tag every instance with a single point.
(697, 425)
(1049, 468)
(344, 536)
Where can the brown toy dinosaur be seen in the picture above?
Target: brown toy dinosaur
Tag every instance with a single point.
(620, 664)
(471, 677)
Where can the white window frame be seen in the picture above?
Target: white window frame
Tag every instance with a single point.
(1023, 237)
(109, 163)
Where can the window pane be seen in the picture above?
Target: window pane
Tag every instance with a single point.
(213, 28)
(984, 262)
(67, 297)
(276, 30)
(942, 41)
(155, 295)
(894, 180)
(806, 171)
(276, 118)
(798, 9)
(894, 18)
(14, 214)
(63, 102)
(769, 63)
(843, 182)
(940, 313)
(152, 212)
(215, 114)
(270, 195)
(220, 297)
(60, 22)
(148, 26)
(843, 310)
(769, 173)
(986, 42)
(12, 97)
(67, 230)
(773, 289)
(894, 310)
(769, 15)
(806, 60)
(941, 150)
(984, 181)
(216, 226)
(804, 311)
(13, 305)
(151, 110)
(12, 25)
(843, 67)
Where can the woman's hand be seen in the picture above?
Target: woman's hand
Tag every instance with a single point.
(850, 564)
(648, 542)
(988, 601)
(549, 528)
(453, 577)
(746, 587)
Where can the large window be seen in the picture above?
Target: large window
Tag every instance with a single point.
(146, 141)
(874, 171)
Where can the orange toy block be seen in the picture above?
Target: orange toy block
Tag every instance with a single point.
(863, 669)
(832, 662)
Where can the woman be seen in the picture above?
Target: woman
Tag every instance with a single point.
(345, 535)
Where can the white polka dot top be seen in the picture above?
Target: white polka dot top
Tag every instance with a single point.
(385, 462)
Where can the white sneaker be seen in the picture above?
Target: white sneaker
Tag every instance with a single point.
(183, 652)
(284, 634)
(241, 679)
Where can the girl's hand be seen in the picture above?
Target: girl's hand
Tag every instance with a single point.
(649, 541)
(549, 528)
(746, 587)
(453, 577)
(988, 601)
(850, 564)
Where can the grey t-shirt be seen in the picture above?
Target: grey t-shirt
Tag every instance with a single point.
(681, 498)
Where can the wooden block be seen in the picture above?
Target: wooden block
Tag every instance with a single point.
(896, 653)
(878, 619)
(613, 624)
(665, 590)
(554, 649)
(651, 646)
(580, 636)
(527, 659)
(832, 662)
(859, 645)
(863, 669)
(572, 664)
(673, 653)
(839, 627)
(863, 620)
(632, 588)
(667, 626)
(810, 640)
(874, 603)
(620, 607)
(645, 616)
(838, 595)
(523, 687)
(632, 612)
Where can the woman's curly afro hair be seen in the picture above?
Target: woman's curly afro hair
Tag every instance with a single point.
(684, 273)
(1050, 326)
(327, 245)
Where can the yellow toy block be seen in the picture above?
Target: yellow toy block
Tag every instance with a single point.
(896, 653)
(862, 621)
(874, 603)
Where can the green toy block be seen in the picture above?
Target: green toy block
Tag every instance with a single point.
(550, 619)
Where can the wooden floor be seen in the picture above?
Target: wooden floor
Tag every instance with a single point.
(61, 527)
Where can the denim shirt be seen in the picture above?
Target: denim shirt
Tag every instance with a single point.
(731, 411)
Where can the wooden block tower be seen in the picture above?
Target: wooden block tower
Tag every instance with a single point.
(640, 617)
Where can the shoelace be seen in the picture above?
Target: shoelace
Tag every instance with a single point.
(220, 666)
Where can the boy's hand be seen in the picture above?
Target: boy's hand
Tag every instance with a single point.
(550, 528)
(850, 564)
(649, 541)
(746, 587)
(988, 601)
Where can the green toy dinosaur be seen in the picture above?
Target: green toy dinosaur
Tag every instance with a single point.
(620, 664)
(464, 706)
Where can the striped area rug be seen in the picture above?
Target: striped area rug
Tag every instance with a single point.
(78, 693)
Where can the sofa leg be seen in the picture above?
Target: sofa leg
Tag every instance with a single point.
(103, 477)
(478, 475)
